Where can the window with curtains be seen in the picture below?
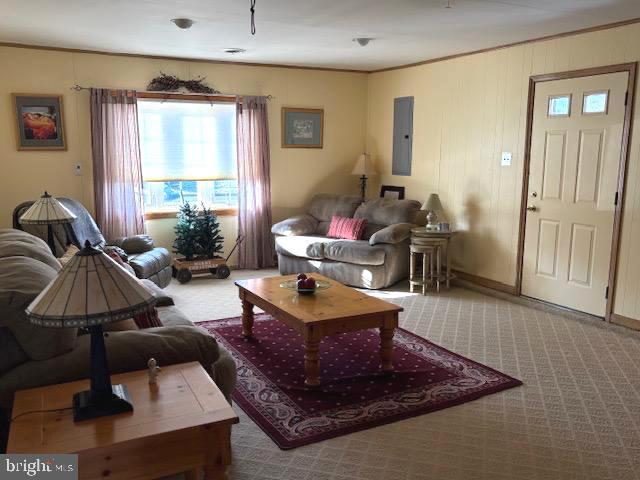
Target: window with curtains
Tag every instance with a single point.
(188, 153)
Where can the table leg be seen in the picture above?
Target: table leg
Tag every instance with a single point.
(247, 319)
(215, 472)
(386, 348)
(192, 474)
(438, 268)
(448, 264)
(412, 271)
(312, 362)
(425, 274)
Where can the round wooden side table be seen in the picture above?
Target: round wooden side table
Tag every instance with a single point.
(436, 245)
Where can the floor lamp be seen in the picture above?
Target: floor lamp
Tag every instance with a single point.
(363, 167)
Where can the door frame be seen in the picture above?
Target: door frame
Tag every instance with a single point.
(631, 68)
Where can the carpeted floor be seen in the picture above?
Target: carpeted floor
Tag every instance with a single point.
(577, 416)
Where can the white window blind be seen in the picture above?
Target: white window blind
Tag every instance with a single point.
(187, 141)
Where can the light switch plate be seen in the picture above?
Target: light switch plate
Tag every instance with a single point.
(506, 159)
(77, 169)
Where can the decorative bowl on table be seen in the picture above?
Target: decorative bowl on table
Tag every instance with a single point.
(304, 285)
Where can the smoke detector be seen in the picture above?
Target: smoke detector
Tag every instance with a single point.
(362, 41)
(182, 23)
(234, 51)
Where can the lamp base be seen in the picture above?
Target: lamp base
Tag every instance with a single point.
(432, 219)
(87, 406)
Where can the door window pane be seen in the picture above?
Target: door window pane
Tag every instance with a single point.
(595, 102)
(559, 106)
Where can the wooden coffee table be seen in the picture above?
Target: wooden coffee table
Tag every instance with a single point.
(339, 309)
(180, 424)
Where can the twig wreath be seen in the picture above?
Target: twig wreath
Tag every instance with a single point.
(171, 83)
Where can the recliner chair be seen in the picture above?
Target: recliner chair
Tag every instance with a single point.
(146, 260)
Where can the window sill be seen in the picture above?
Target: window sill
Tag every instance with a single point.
(220, 212)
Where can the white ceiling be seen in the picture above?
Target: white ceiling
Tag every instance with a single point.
(301, 32)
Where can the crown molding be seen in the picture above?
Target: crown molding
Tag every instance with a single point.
(179, 59)
(509, 45)
(597, 28)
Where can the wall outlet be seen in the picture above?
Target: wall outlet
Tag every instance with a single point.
(77, 169)
(506, 159)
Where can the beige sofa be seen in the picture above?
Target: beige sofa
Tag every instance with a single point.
(34, 356)
(379, 260)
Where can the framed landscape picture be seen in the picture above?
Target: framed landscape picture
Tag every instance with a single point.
(302, 127)
(39, 122)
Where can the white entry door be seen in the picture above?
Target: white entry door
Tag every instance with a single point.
(575, 154)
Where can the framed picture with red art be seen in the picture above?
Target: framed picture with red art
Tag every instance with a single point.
(39, 122)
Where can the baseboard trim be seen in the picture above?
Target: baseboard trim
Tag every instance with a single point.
(486, 282)
(508, 293)
(625, 321)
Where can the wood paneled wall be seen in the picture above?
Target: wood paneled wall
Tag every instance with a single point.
(470, 109)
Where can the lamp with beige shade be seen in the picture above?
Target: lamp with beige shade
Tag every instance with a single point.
(433, 207)
(364, 166)
(47, 211)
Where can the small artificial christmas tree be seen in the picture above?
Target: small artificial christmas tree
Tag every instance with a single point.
(208, 234)
(186, 242)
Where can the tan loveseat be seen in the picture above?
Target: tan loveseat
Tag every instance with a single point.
(34, 356)
(379, 260)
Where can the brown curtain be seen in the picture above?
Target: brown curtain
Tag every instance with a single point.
(117, 171)
(254, 184)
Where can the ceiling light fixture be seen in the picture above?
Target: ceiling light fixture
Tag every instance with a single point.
(362, 41)
(182, 23)
(234, 51)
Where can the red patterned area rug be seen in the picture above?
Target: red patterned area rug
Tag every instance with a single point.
(354, 394)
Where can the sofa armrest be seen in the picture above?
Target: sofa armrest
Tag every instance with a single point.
(134, 244)
(396, 233)
(126, 351)
(148, 263)
(294, 226)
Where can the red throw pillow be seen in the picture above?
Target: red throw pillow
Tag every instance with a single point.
(147, 319)
(346, 228)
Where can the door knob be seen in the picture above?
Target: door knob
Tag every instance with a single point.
(532, 208)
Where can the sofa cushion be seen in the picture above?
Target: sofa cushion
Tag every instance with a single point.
(11, 234)
(162, 298)
(395, 233)
(324, 206)
(18, 248)
(134, 244)
(172, 317)
(303, 246)
(387, 211)
(298, 225)
(21, 280)
(149, 263)
(358, 252)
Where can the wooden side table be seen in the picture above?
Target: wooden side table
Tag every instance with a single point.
(438, 242)
(430, 255)
(180, 424)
